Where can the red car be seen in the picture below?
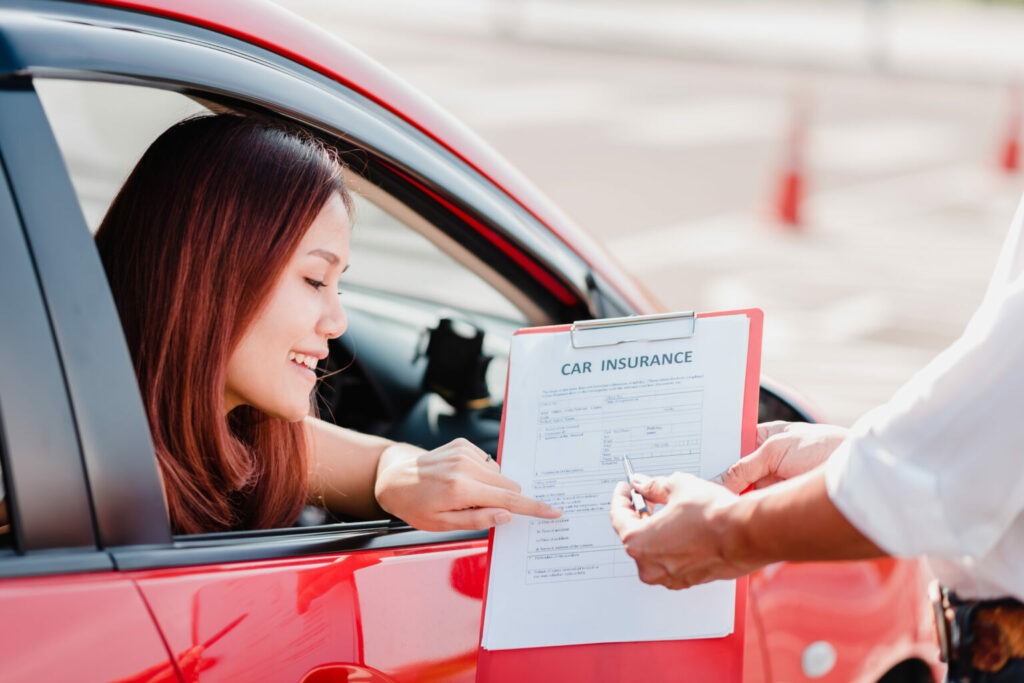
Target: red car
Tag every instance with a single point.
(94, 586)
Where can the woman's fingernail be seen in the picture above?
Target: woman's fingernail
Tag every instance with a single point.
(640, 479)
(502, 518)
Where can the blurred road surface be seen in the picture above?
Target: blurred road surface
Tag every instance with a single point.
(672, 158)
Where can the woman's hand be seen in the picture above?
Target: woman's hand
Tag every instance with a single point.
(456, 486)
(784, 450)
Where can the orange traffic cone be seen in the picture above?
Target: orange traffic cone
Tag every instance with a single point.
(787, 209)
(1009, 157)
(791, 185)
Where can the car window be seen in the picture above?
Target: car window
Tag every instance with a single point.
(103, 128)
(405, 273)
(389, 256)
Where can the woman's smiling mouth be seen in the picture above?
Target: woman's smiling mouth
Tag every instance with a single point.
(305, 362)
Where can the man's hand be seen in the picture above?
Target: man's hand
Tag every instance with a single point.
(680, 545)
(456, 486)
(784, 450)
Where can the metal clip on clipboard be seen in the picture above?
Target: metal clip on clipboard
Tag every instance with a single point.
(610, 331)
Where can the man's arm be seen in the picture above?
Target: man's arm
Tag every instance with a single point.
(794, 520)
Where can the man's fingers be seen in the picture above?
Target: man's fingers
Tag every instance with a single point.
(624, 517)
(747, 471)
(767, 430)
(651, 574)
(770, 480)
(653, 489)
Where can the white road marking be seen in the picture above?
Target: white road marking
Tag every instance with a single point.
(874, 146)
(701, 122)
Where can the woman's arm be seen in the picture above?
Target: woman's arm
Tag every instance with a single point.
(456, 486)
(343, 468)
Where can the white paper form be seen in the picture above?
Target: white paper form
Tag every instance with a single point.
(672, 405)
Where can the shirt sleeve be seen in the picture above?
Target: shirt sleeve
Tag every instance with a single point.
(939, 469)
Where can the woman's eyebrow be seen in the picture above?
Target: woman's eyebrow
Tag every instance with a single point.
(325, 255)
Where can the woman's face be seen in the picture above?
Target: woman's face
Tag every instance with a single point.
(271, 368)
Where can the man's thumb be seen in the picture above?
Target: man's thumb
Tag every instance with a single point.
(746, 471)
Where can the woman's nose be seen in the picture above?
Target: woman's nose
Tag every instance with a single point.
(333, 322)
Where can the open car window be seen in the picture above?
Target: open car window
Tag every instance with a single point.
(406, 273)
(390, 257)
(103, 128)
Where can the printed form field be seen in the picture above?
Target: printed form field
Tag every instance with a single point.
(657, 423)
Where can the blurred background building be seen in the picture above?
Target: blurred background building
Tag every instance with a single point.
(849, 166)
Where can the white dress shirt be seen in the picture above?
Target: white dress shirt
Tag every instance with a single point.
(939, 469)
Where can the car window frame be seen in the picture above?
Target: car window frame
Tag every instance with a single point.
(109, 419)
(44, 478)
(406, 154)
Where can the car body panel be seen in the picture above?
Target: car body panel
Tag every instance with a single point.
(283, 620)
(880, 606)
(95, 627)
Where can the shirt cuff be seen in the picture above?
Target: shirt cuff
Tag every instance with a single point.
(894, 503)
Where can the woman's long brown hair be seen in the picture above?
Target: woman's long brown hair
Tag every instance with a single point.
(192, 245)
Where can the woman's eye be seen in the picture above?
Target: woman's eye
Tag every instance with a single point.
(315, 284)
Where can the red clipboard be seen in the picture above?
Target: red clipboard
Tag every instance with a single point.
(712, 659)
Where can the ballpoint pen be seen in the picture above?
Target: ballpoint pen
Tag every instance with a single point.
(639, 504)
